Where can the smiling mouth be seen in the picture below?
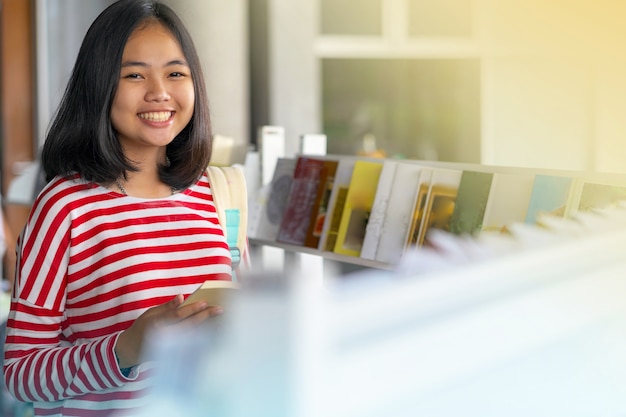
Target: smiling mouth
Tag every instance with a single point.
(159, 116)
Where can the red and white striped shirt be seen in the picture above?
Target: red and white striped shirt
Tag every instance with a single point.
(90, 261)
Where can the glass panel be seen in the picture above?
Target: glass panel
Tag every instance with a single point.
(420, 109)
(440, 18)
(350, 17)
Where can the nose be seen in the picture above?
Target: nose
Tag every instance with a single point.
(157, 91)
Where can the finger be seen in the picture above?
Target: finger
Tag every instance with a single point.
(215, 311)
(176, 301)
(202, 316)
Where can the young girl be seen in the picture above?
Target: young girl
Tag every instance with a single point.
(125, 227)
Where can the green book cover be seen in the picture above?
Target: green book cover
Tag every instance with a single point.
(471, 202)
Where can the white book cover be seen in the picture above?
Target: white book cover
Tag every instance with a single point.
(400, 210)
(271, 202)
(337, 195)
(508, 200)
(376, 218)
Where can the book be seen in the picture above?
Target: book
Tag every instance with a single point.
(358, 204)
(336, 204)
(376, 219)
(272, 200)
(304, 186)
(411, 237)
(320, 206)
(399, 215)
(471, 202)
(549, 195)
(599, 196)
(440, 202)
(508, 200)
(214, 292)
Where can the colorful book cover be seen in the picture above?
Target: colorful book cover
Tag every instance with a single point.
(336, 203)
(399, 215)
(376, 219)
(320, 206)
(471, 202)
(440, 202)
(273, 202)
(297, 216)
(550, 195)
(508, 200)
(358, 205)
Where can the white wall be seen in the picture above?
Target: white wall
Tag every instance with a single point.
(553, 84)
(220, 31)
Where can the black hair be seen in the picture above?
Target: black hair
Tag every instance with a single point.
(82, 139)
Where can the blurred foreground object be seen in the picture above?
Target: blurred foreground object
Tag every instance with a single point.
(534, 330)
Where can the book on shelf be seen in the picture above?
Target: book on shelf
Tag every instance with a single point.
(595, 196)
(508, 200)
(412, 234)
(440, 202)
(380, 206)
(336, 204)
(321, 204)
(471, 202)
(399, 214)
(550, 194)
(304, 187)
(358, 204)
(271, 201)
(214, 292)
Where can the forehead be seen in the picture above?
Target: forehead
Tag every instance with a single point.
(152, 39)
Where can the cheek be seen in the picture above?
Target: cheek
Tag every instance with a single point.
(118, 110)
(188, 98)
(116, 116)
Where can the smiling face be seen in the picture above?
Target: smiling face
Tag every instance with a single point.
(154, 100)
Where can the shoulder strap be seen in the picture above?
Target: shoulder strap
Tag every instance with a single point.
(236, 181)
(220, 192)
(230, 195)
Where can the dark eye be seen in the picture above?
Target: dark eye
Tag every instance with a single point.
(133, 76)
(177, 74)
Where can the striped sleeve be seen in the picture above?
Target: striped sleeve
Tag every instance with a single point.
(39, 363)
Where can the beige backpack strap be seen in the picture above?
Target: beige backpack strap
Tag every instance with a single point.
(238, 192)
(230, 195)
(220, 191)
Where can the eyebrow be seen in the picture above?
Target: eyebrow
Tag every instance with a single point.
(143, 64)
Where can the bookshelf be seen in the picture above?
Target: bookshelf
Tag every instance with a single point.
(482, 199)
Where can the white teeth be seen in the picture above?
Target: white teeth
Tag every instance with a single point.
(159, 116)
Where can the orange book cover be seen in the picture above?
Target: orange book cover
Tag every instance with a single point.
(320, 206)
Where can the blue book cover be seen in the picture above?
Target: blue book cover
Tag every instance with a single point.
(549, 195)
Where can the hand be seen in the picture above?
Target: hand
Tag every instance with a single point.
(130, 342)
